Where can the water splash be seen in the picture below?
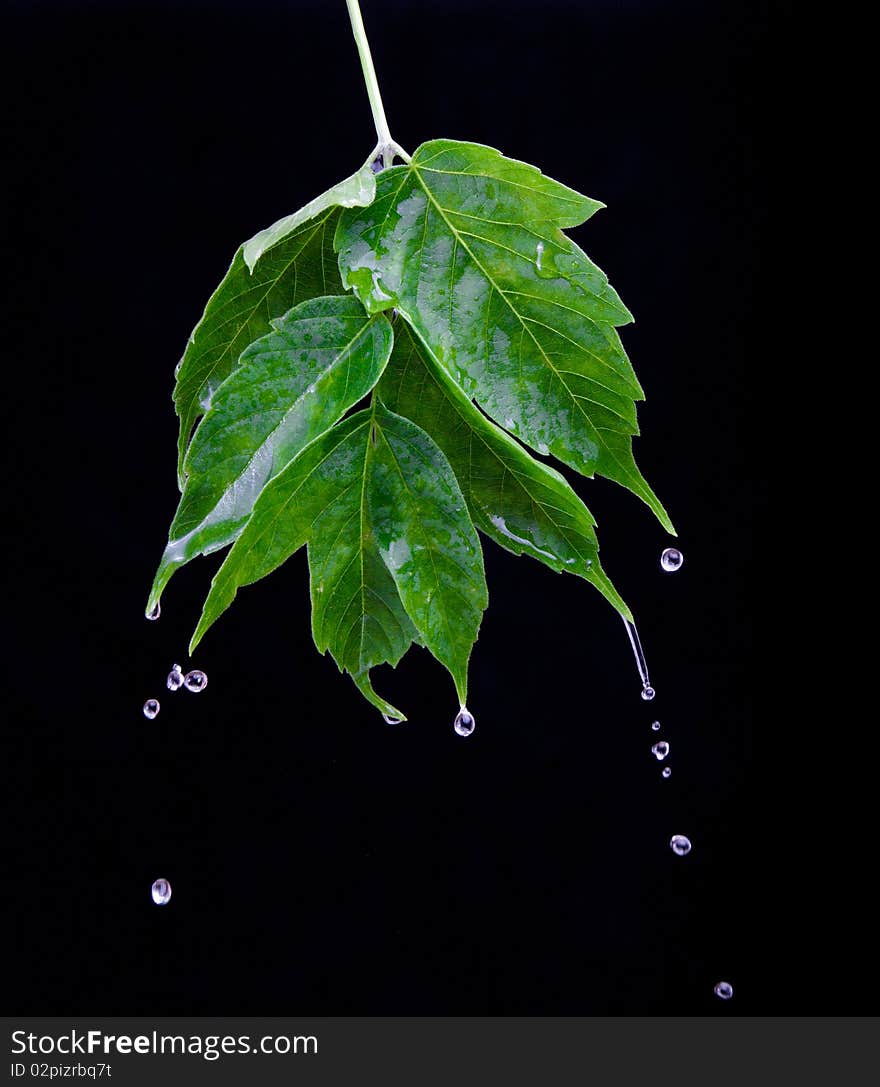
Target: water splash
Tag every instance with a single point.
(648, 691)
(161, 892)
(671, 560)
(680, 845)
(464, 723)
(151, 708)
(195, 681)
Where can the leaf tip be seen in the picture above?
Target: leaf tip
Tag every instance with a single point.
(198, 634)
(390, 714)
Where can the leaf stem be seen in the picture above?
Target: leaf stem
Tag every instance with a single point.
(386, 148)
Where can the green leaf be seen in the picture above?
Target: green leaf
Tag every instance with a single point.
(358, 190)
(320, 499)
(393, 556)
(525, 506)
(285, 264)
(427, 540)
(357, 613)
(468, 246)
(290, 386)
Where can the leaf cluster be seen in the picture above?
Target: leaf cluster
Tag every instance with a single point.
(368, 380)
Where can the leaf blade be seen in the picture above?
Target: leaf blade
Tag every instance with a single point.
(427, 540)
(290, 386)
(468, 245)
(279, 524)
(525, 506)
(318, 499)
(299, 267)
(357, 190)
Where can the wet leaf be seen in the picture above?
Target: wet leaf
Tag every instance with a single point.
(469, 247)
(290, 261)
(358, 190)
(505, 332)
(427, 540)
(289, 387)
(393, 556)
(525, 506)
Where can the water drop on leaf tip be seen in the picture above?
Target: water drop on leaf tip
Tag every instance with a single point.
(390, 719)
(155, 611)
(464, 723)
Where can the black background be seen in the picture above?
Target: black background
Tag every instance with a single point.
(323, 862)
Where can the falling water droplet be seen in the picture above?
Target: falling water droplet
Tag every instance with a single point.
(671, 560)
(151, 708)
(175, 678)
(635, 641)
(390, 719)
(655, 725)
(724, 990)
(195, 681)
(680, 845)
(155, 611)
(661, 750)
(666, 772)
(540, 254)
(464, 723)
(161, 892)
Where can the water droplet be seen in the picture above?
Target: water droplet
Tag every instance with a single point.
(661, 750)
(195, 681)
(680, 845)
(390, 719)
(464, 723)
(635, 641)
(655, 725)
(671, 560)
(161, 892)
(155, 611)
(540, 253)
(151, 708)
(724, 990)
(378, 164)
(175, 678)
(666, 772)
